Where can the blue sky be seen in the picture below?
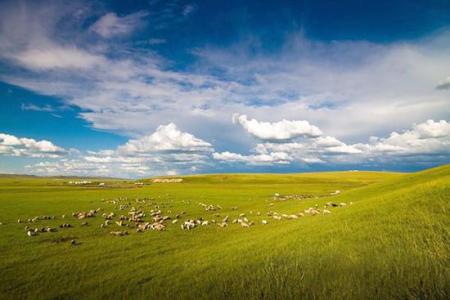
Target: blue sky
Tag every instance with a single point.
(142, 88)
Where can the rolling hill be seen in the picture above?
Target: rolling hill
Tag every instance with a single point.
(386, 236)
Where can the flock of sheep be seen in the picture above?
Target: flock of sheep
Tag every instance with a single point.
(146, 214)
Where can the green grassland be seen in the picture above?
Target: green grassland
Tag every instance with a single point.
(392, 242)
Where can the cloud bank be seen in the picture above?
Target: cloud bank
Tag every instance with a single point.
(13, 146)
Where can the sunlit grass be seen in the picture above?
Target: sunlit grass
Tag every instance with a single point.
(392, 242)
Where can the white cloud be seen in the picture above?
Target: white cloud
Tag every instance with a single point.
(281, 131)
(257, 159)
(424, 139)
(429, 137)
(111, 25)
(165, 138)
(14, 146)
(53, 57)
(166, 150)
(34, 107)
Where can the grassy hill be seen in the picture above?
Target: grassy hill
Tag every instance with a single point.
(391, 242)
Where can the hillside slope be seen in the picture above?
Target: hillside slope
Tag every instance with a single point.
(391, 242)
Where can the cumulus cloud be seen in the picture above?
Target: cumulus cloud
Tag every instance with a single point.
(280, 131)
(13, 146)
(111, 25)
(166, 138)
(430, 138)
(166, 149)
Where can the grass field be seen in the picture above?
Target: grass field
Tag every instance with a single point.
(392, 242)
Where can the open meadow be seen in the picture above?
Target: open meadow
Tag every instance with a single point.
(337, 235)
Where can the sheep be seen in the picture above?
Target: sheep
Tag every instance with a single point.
(264, 222)
(119, 233)
(188, 225)
(31, 233)
(326, 212)
(277, 217)
(290, 217)
(342, 204)
(225, 220)
(157, 226)
(222, 225)
(312, 211)
(204, 223)
(245, 225)
(174, 221)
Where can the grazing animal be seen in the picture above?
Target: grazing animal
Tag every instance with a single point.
(264, 222)
(119, 233)
(245, 225)
(31, 233)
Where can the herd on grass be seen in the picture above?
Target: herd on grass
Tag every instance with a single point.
(132, 217)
